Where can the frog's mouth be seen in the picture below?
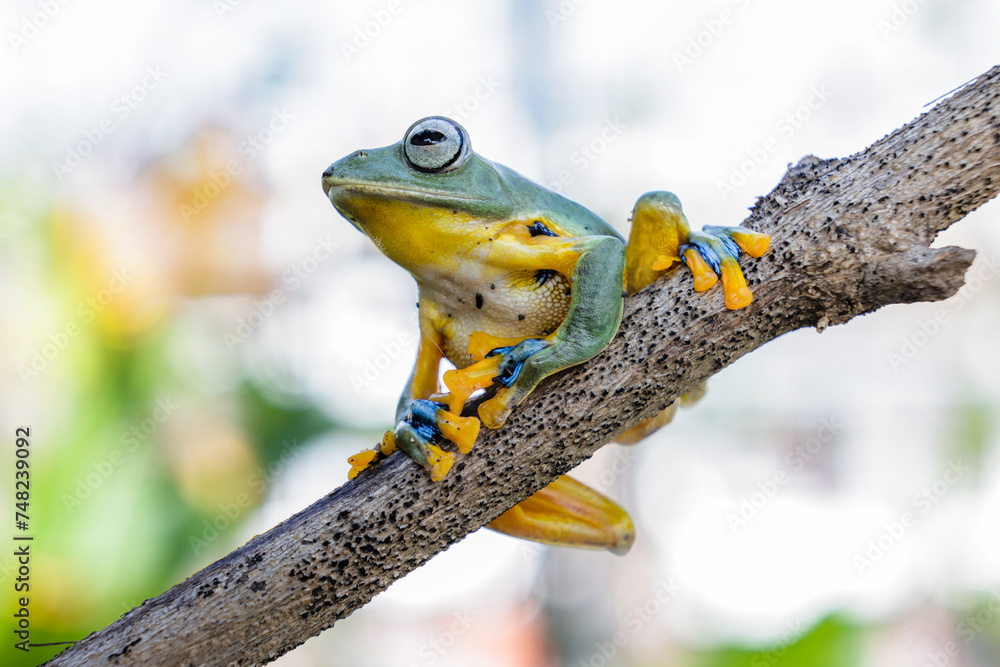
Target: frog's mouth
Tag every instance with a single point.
(339, 189)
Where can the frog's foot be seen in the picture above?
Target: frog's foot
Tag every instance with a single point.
(661, 238)
(570, 514)
(425, 426)
(369, 457)
(463, 383)
(715, 251)
(500, 368)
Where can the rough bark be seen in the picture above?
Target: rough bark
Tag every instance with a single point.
(848, 236)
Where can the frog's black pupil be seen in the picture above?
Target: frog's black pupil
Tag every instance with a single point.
(427, 138)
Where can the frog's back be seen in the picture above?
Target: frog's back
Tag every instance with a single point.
(566, 214)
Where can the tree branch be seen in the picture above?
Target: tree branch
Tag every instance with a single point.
(848, 236)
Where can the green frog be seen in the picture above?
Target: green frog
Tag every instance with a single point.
(516, 282)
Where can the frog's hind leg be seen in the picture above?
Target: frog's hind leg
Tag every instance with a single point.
(570, 514)
(661, 239)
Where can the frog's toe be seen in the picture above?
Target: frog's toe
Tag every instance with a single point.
(495, 411)
(438, 462)
(460, 430)
(361, 462)
(752, 243)
(366, 459)
(464, 382)
(482, 343)
(704, 277)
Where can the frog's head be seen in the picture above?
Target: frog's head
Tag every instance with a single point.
(431, 188)
(433, 167)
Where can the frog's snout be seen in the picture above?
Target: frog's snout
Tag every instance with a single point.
(328, 178)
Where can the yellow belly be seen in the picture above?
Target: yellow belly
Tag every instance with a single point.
(523, 303)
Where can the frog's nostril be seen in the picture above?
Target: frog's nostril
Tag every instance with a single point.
(329, 172)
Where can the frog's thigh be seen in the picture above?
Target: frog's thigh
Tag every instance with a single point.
(568, 513)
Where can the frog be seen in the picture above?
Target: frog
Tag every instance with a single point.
(516, 282)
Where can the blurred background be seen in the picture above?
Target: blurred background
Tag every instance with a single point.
(197, 340)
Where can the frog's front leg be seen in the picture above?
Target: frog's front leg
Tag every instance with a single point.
(594, 265)
(661, 239)
(423, 423)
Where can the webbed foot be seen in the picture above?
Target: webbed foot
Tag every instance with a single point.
(661, 238)
(715, 251)
(500, 368)
(570, 514)
(424, 426)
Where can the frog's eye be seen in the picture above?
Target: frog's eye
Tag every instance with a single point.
(436, 145)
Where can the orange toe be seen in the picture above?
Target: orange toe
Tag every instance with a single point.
(704, 277)
(482, 343)
(754, 244)
(360, 462)
(738, 295)
(440, 462)
(460, 430)
(464, 382)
